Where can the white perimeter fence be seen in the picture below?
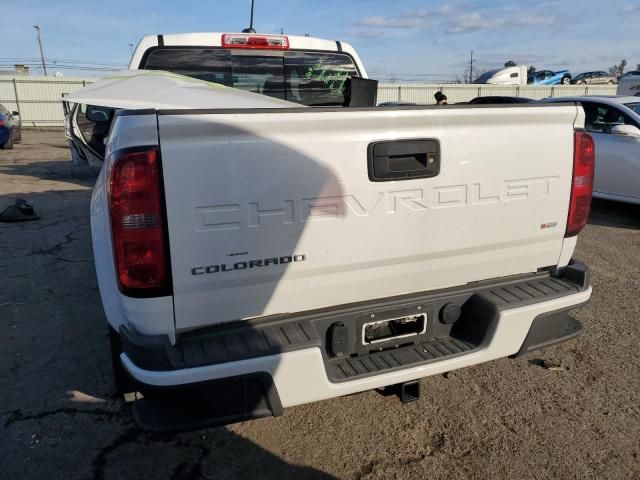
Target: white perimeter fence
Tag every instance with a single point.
(37, 99)
(422, 93)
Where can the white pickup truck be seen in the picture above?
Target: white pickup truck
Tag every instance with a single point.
(257, 251)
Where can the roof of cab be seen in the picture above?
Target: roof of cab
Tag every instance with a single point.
(214, 39)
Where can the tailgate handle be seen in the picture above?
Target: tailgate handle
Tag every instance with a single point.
(403, 160)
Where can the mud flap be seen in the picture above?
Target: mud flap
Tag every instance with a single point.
(217, 403)
(550, 329)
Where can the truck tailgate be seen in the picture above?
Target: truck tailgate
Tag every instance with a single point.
(271, 212)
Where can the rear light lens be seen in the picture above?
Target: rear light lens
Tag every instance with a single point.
(258, 42)
(137, 223)
(1, 122)
(584, 158)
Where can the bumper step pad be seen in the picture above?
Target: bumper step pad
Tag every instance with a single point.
(348, 368)
(248, 343)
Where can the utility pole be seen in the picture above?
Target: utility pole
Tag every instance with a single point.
(471, 68)
(44, 65)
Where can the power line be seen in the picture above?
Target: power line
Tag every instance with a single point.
(64, 60)
(53, 64)
(85, 61)
(67, 67)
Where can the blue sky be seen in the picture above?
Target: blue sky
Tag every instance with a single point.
(405, 38)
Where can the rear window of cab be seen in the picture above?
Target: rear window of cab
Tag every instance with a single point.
(308, 78)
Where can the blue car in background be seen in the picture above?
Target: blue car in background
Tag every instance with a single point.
(9, 128)
(547, 77)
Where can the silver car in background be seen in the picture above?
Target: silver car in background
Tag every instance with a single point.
(594, 78)
(614, 124)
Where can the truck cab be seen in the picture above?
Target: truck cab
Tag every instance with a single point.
(301, 69)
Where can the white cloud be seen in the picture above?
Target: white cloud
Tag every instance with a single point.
(441, 11)
(534, 20)
(472, 22)
(366, 33)
(457, 21)
(630, 10)
(477, 21)
(411, 19)
(392, 22)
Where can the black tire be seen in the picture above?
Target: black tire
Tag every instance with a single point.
(610, 82)
(9, 144)
(123, 381)
(565, 80)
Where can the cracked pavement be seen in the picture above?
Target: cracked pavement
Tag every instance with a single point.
(504, 419)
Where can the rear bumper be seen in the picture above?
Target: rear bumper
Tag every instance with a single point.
(300, 376)
(302, 370)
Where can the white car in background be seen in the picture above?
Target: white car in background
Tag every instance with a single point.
(614, 124)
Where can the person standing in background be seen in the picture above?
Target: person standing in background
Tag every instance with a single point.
(441, 98)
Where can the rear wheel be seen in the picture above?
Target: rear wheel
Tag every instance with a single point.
(566, 80)
(9, 144)
(610, 82)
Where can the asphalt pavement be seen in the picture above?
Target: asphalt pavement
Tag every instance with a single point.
(507, 419)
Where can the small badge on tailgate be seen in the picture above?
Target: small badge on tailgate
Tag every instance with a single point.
(248, 264)
(544, 226)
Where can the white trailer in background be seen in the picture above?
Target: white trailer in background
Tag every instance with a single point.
(629, 85)
(516, 75)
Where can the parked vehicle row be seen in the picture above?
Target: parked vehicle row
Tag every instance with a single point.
(518, 75)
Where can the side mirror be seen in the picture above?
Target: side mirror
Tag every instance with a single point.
(626, 130)
(96, 115)
(15, 113)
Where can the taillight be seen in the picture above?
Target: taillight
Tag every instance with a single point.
(137, 224)
(1, 122)
(584, 157)
(258, 42)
